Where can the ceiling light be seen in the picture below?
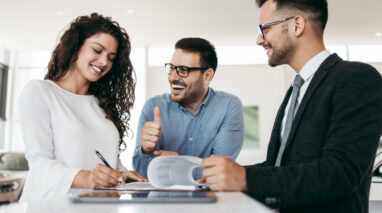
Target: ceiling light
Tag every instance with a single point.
(59, 13)
(378, 34)
(130, 11)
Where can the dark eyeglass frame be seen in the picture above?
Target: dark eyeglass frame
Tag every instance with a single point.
(261, 26)
(169, 67)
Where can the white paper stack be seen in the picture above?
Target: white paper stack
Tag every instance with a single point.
(168, 173)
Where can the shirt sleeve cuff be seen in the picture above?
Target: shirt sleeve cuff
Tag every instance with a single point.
(146, 156)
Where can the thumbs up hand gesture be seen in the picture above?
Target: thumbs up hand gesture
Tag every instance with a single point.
(151, 133)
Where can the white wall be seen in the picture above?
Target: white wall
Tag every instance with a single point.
(4, 56)
(257, 85)
(378, 66)
(138, 58)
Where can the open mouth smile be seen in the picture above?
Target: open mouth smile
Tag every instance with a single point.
(177, 87)
(96, 69)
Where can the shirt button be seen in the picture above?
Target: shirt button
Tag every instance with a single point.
(190, 138)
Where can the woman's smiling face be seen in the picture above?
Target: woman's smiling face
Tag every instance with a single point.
(96, 56)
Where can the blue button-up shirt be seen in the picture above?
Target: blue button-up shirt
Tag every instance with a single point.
(217, 127)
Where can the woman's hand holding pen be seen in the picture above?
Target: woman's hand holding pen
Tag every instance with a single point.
(103, 176)
(100, 176)
(131, 176)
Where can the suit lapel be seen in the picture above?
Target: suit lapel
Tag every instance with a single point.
(318, 77)
(274, 143)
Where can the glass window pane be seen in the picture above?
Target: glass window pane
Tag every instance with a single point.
(340, 50)
(365, 53)
(159, 56)
(241, 55)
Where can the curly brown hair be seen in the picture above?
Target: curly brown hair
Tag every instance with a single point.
(115, 91)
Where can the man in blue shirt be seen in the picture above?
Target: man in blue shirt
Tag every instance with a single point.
(194, 119)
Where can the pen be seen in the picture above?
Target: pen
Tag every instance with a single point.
(102, 159)
(120, 180)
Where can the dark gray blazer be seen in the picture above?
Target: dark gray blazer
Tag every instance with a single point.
(328, 159)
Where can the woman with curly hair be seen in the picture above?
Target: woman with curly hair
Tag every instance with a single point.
(82, 105)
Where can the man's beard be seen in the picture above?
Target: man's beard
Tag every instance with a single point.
(193, 96)
(281, 55)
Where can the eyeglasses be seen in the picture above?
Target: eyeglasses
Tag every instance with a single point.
(182, 71)
(261, 26)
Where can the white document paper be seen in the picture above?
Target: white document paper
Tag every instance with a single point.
(168, 173)
(146, 186)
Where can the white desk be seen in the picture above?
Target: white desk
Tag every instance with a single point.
(376, 191)
(227, 202)
(375, 199)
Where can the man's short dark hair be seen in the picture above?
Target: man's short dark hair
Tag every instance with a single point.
(318, 8)
(206, 50)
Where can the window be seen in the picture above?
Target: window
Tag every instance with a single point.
(365, 53)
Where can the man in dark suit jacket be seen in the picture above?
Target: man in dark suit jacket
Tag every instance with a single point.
(326, 158)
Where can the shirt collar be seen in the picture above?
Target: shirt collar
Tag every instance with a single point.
(208, 97)
(312, 65)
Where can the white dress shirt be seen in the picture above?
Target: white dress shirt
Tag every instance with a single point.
(307, 73)
(61, 130)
